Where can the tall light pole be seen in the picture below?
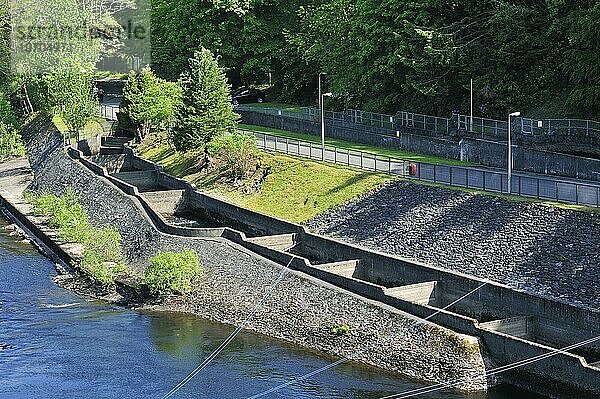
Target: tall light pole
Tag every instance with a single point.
(321, 111)
(515, 114)
(471, 121)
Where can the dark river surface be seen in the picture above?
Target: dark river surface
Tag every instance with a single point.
(55, 344)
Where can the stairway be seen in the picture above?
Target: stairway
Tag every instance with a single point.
(113, 145)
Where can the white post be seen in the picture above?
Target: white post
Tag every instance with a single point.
(322, 112)
(471, 125)
(510, 152)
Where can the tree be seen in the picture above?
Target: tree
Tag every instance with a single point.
(149, 101)
(206, 109)
(69, 94)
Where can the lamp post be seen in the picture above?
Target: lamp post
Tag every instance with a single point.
(322, 113)
(515, 114)
(323, 118)
(471, 119)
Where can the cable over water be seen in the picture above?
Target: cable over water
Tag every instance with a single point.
(232, 336)
(345, 359)
(495, 371)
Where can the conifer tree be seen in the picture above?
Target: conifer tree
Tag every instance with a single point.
(206, 110)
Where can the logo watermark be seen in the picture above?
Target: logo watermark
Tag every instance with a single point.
(54, 35)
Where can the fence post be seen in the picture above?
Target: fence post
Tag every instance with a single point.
(264, 141)
(484, 175)
(451, 169)
(538, 187)
(348, 151)
(275, 143)
(434, 173)
(287, 146)
(467, 177)
(361, 160)
(389, 165)
(576, 194)
(335, 155)
(310, 150)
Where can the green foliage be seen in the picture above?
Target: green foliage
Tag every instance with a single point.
(11, 144)
(102, 258)
(172, 272)
(69, 94)
(393, 55)
(341, 330)
(238, 150)
(206, 110)
(149, 101)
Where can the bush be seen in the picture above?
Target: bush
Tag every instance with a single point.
(96, 266)
(11, 144)
(172, 272)
(238, 150)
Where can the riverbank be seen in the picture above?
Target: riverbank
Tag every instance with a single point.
(301, 309)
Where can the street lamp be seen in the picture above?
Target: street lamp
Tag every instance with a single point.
(323, 118)
(515, 114)
(321, 112)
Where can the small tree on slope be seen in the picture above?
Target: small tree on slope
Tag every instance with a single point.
(206, 110)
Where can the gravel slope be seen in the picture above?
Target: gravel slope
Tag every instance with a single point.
(540, 249)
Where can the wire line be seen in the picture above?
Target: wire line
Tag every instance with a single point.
(232, 336)
(492, 372)
(345, 359)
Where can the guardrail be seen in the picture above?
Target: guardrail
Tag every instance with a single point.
(457, 176)
(108, 112)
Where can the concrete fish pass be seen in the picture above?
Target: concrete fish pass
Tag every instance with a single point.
(512, 325)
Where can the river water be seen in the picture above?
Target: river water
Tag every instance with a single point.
(55, 344)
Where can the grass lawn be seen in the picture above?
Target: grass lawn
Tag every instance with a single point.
(356, 146)
(295, 190)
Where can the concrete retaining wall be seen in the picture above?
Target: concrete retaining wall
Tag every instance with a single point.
(234, 279)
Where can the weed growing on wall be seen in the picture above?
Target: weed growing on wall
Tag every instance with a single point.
(102, 258)
(172, 273)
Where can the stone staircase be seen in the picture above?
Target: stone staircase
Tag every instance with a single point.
(113, 145)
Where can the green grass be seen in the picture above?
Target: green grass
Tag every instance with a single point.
(296, 189)
(357, 146)
(92, 129)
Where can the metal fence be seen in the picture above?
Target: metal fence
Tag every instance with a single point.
(108, 112)
(458, 176)
(482, 126)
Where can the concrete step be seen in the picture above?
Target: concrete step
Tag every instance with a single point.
(420, 293)
(110, 150)
(114, 141)
(164, 202)
(281, 242)
(345, 268)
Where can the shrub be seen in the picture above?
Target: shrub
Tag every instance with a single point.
(238, 150)
(172, 272)
(11, 144)
(100, 270)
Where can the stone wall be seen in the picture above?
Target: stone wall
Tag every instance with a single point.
(301, 309)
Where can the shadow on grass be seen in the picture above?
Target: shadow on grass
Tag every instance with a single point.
(350, 182)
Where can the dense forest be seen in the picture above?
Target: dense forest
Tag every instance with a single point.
(537, 56)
